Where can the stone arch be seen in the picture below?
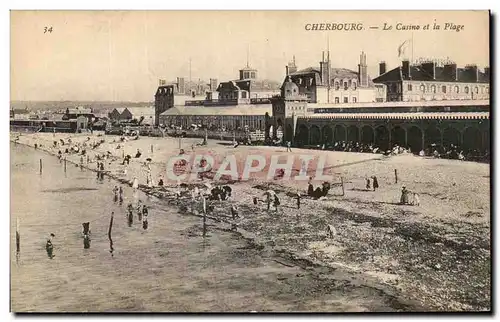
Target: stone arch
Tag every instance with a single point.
(415, 139)
(339, 133)
(398, 136)
(432, 136)
(367, 134)
(382, 137)
(472, 138)
(327, 134)
(451, 136)
(352, 133)
(315, 135)
(302, 137)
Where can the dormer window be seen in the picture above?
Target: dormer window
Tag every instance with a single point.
(466, 89)
(346, 86)
(337, 85)
(477, 90)
(457, 89)
(354, 85)
(422, 88)
(433, 88)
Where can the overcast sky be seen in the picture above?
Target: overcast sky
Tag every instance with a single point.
(120, 55)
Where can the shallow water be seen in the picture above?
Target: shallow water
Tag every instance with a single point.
(159, 269)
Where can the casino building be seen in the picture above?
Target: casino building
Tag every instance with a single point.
(415, 114)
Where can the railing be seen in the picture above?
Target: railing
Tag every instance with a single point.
(221, 102)
(195, 103)
(260, 100)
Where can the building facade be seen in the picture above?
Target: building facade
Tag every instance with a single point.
(164, 100)
(327, 85)
(431, 81)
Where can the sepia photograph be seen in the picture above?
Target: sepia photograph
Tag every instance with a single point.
(250, 161)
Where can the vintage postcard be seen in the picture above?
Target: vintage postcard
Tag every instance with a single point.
(250, 161)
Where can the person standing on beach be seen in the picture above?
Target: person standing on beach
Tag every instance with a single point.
(144, 217)
(298, 200)
(130, 215)
(49, 247)
(288, 146)
(121, 194)
(276, 202)
(375, 183)
(368, 184)
(115, 192)
(139, 210)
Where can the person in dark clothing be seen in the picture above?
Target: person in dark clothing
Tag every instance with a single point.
(120, 191)
(367, 183)
(375, 183)
(49, 247)
(310, 189)
(298, 200)
(276, 202)
(115, 193)
(130, 215)
(255, 201)
(144, 217)
(86, 241)
(138, 154)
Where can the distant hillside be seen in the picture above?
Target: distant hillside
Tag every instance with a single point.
(97, 107)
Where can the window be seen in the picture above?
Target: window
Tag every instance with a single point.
(346, 86)
(422, 88)
(354, 99)
(466, 89)
(443, 88)
(253, 74)
(477, 90)
(337, 100)
(243, 94)
(354, 85)
(337, 85)
(409, 87)
(457, 89)
(433, 88)
(346, 100)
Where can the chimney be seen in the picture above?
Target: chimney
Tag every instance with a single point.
(429, 68)
(472, 73)
(362, 71)
(450, 70)
(405, 69)
(287, 71)
(323, 67)
(382, 68)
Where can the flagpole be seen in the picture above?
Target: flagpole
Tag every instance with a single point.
(412, 48)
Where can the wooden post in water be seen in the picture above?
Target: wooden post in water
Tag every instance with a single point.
(342, 183)
(204, 217)
(64, 164)
(396, 175)
(18, 237)
(111, 249)
(40, 166)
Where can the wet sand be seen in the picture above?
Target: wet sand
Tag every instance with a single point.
(436, 254)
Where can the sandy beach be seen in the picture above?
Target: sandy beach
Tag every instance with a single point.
(436, 254)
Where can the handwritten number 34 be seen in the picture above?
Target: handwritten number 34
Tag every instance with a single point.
(47, 29)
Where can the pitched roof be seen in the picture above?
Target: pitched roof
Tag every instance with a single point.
(239, 110)
(334, 73)
(441, 75)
